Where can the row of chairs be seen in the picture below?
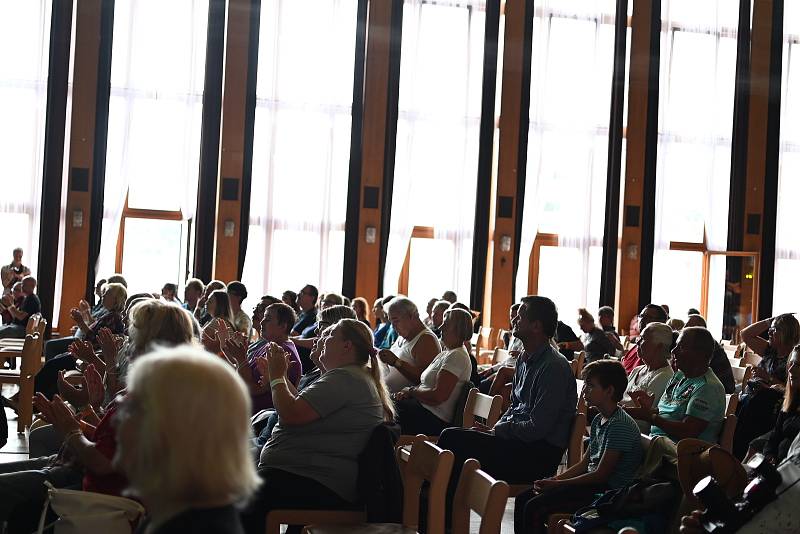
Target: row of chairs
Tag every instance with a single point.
(29, 350)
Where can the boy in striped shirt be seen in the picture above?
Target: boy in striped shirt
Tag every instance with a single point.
(611, 461)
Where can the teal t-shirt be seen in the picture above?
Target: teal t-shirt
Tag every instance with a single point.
(702, 397)
(619, 433)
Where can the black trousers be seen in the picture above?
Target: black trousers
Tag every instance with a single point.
(504, 459)
(531, 509)
(414, 419)
(46, 380)
(283, 490)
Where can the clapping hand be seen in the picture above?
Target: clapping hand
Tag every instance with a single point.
(234, 347)
(57, 413)
(388, 357)
(90, 393)
(277, 361)
(81, 350)
(109, 345)
(545, 484)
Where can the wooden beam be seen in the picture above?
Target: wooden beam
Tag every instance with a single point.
(81, 153)
(512, 159)
(639, 203)
(231, 162)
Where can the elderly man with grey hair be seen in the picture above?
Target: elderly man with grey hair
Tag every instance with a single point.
(413, 351)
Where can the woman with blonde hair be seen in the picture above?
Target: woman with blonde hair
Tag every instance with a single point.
(312, 457)
(189, 480)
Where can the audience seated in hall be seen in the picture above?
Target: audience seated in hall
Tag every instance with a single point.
(384, 333)
(202, 475)
(693, 404)
(305, 340)
(528, 441)
(311, 461)
(652, 377)
(775, 443)
(720, 363)
(649, 314)
(114, 298)
(275, 327)
(360, 307)
(30, 305)
(429, 408)
(594, 340)
(605, 316)
(191, 293)
(89, 445)
(13, 272)
(307, 301)
(169, 293)
(610, 461)
(237, 292)
(761, 397)
(567, 341)
(201, 310)
(412, 352)
(218, 307)
(15, 298)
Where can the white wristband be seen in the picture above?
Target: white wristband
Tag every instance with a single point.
(277, 381)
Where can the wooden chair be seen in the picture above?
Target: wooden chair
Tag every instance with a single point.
(12, 348)
(577, 363)
(501, 338)
(482, 494)
(24, 377)
(742, 374)
(499, 355)
(477, 405)
(425, 462)
(750, 358)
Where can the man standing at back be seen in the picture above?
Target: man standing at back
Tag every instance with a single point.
(528, 441)
(13, 272)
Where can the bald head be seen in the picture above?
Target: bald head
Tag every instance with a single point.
(693, 350)
(696, 320)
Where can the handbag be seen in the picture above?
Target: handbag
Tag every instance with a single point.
(87, 511)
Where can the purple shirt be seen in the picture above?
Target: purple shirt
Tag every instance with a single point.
(295, 371)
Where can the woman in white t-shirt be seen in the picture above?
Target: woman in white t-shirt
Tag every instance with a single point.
(654, 343)
(429, 408)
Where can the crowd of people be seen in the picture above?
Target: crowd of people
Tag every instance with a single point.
(211, 417)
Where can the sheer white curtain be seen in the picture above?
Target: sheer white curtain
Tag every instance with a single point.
(24, 41)
(571, 69)
(697, 82)
(301, 146)
(436, 161)
(155, 112)
(787, 246)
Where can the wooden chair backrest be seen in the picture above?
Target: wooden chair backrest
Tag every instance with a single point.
(750, 358)
(726, 435)
(575, 448)
(501, 338)
(742, 374)
(484, 495)
(577, 363)
(499, 355)
(480, 405)
(426, 463)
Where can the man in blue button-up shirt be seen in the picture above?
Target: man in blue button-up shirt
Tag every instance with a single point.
(528, 441)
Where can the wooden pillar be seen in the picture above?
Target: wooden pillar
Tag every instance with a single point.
(379, 124)
(636, 254)
(508, 187)
(231, 161)
(762, 143)
(82, 137)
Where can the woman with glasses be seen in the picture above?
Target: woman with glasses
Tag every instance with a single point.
(89, 444)
(274, 328)
(762, 395)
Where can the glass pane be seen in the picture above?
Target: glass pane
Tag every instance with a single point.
(787, 290)
(152, 254)
(730, 298)
(557, 264)
(677, 280)
(302, 146)
(155, 111)
(429, 269)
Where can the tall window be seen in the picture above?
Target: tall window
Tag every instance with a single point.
(697, 83)
(572, 64)
(436, 159)
(787, 246)
(301, 146)
(155, 112)
(24, 41)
